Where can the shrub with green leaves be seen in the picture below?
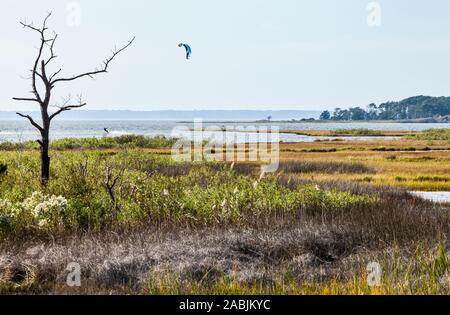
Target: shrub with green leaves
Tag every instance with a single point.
(120, 142)
(150, 189)
(39, 211)
(358, 132)
(123, 141)
(433, 134)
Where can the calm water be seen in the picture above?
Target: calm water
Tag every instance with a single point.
(438, 196)
(17, 131)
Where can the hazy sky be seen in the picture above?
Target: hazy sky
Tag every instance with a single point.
(247, 54)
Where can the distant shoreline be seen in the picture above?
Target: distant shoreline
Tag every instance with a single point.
(343, 122)
(173, 115)
(318, 121)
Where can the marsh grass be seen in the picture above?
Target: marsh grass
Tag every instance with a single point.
(324, 167)
(310, 260)
(358, 132)
(200, 228)
(120, 142)
(152, 189)
(432, 134)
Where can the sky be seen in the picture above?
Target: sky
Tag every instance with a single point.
(247, 54)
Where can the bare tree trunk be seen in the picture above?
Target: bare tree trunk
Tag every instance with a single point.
(45, 158)
(45, 163)
(43, 99)
(45, 138)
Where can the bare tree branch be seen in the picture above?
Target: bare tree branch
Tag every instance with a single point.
(31, 121)
(103, 70)
(30, 26)
(52, 53)
(25, 99)
(43, 75)
(54, 74)
(41, 31)
(39, 75)
(67, 107)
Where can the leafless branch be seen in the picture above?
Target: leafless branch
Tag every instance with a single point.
(52, 53)
(110, 183)
(39, 75)
(25, 99)
(41, 31)
(54, 74)
(66, 107)
(30, 26)
(31, 121)
(103, 70)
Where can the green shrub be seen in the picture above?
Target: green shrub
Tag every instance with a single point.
(150, 189)
(432, 134)
(123, 141)
(431, 179)
(358, 132)
(38, 211)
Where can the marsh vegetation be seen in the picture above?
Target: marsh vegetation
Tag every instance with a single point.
(137, 222)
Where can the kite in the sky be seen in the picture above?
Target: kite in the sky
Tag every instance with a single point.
(188, 50)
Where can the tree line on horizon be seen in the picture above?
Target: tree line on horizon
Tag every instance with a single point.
(415, 107)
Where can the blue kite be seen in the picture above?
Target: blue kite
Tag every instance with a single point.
(188, 50)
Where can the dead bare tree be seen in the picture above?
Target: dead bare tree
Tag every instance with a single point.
(110, 183)
(43, 98)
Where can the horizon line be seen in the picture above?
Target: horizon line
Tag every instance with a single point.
(178, 110)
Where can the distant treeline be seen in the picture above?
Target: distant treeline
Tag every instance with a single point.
(411, 108)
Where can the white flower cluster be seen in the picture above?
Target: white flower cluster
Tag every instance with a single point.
(40, 208)
(44, 208)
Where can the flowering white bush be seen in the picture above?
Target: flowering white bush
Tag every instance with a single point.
(44, 209)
